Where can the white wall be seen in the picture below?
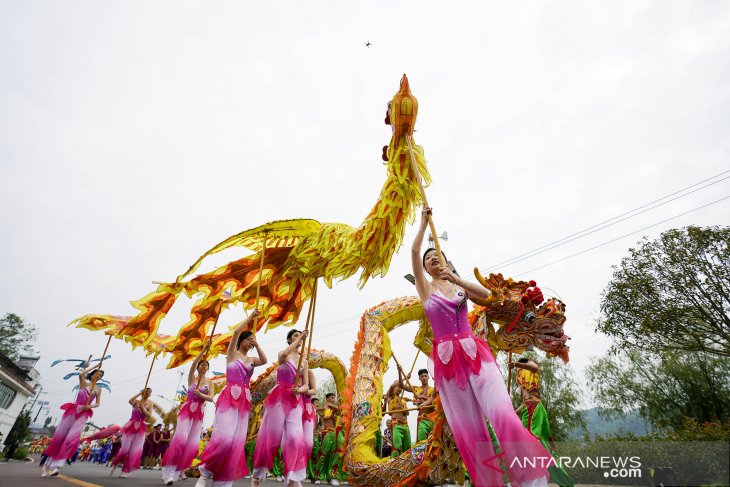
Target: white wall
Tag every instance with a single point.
(8, 416)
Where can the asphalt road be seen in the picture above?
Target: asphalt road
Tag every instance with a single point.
(27, 474)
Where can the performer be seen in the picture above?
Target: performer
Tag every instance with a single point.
(423, 396)
(151, 443)
(224, 457)
(314, 456)
(184, 445)
(283, 418)
(401, 430)
(309, 422)
(68, 433)
(327, 465)
(468, 379)
(534, 415)
(133, 434)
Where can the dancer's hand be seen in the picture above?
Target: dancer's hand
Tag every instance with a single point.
(255, 314)
(446, 274)
(426, 212)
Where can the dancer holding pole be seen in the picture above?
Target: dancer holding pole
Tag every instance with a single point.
(75, 414)
(133, 433)
(468, 379)
(224, 457)
(184, 446)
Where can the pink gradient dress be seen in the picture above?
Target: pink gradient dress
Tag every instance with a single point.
(224, 457)
(309, 422)
(133, 436)
(186, 441)
(282, 420)
(471, 387)
(68, 433)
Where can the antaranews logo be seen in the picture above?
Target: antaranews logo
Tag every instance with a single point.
(615, 467)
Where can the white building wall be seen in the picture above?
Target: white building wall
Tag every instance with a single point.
(8, 416)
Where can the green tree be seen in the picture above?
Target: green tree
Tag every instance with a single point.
(16, 336)
(560, 394)
(20, 429)
(666, 387)
(672, 294)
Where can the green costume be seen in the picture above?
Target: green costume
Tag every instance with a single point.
(401, 439)
(312, 463)
(327, 456)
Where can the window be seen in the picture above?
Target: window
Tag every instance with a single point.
(7, 396)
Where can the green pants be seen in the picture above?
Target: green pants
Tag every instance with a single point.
(277, 470)
(540, 428)
(378, 443)
(401, 439)
(312, 463)
(249, 448)
(425, 427)
(327, 465)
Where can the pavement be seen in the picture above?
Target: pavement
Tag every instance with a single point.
(27, 474)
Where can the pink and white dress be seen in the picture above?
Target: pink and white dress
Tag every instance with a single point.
(68, 433)
(471, 387)
(224, 457)
(282, 421)
(186, 442)
(309, 421)
(133, 435)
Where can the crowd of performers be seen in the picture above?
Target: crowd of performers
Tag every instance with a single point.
(300, 438)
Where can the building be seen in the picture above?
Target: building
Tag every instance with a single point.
(17, 385)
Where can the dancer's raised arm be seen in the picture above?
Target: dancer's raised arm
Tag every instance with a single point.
(233, 344)
(296, 343)
(261, 359)
(423, 287)
(194, 367)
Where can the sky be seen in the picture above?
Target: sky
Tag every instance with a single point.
(136, 135)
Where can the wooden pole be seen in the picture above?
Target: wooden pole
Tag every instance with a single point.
(509, 373)
(101, 361)
(413, 366)
(417, 174)
(154, 357)
(309, 323)
(401, 370)
(258, 281)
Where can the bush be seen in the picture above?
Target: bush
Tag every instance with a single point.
(21, 453)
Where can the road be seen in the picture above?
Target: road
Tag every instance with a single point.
(27, 474)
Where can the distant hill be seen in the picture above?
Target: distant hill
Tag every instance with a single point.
(597, 425)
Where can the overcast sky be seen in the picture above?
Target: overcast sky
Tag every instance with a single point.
(136, 135)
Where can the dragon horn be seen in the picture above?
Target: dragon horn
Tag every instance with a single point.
(480, 278)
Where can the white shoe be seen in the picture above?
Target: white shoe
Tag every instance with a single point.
(279, 478)
(123, 475)
(202, 482)
(334, 482)
(54, 473)
(317, 482)
(247, 477)
(168, 481)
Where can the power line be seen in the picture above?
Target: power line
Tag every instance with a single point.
(623, 236)
(607, 223)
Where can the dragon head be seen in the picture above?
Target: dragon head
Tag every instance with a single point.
(522, 319)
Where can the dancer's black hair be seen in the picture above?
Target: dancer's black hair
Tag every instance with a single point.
(89, 374)
(429, 250)
(242, 337)
(290, 334)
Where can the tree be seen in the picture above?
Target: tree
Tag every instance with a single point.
(20, 430)
(666, 387)
(560, 395)
(672, 294)
(16, 336)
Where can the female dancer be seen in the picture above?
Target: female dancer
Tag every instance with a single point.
(283, 417)
(68, 433)
(184, 446)
(133, 434)
(469, 380)
(309, 422)
(224, 457)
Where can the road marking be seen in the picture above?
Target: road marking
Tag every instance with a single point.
(72, 480)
